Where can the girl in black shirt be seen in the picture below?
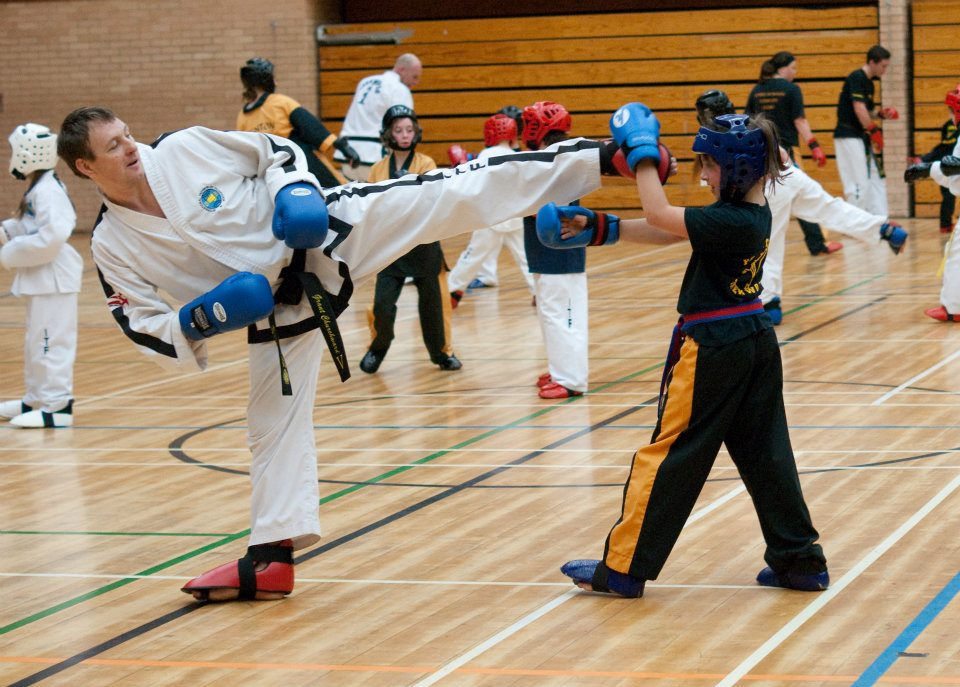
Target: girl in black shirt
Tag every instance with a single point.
(723, 383)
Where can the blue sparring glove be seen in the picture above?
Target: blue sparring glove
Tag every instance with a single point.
(637, 131)
(300, 217)
(602, 229)
(240, 299)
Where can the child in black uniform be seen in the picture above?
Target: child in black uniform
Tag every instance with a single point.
(723, 383)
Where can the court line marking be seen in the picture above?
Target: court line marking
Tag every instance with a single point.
(453, 466)
(824, 597)
(933, 368)
(361, 581)
(344, 491)
(491, 642)
(538, 613)
(51, 610)
(178, 377)
(389, 404)
(913, 681)
(655, 384)
(921, 621)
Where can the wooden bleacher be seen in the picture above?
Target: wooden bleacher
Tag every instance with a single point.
(594, 63)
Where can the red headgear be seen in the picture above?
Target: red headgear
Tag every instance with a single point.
(498, 128)
(541, 118)
(953, 102)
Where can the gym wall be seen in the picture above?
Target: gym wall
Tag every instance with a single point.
(160, 66)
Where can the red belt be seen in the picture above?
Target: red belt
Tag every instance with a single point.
(685, 322)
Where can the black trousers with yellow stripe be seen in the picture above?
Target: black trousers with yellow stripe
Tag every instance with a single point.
(730, 394)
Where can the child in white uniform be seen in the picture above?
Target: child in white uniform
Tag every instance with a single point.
(48, 278)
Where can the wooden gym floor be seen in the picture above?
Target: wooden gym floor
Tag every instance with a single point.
(449, 501)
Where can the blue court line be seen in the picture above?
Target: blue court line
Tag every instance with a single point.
(882, 664)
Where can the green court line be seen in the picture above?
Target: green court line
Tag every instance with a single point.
(817, 301)
(118, 534)
(343, 492)
(117, 584)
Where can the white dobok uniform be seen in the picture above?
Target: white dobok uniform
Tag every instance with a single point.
(950, 288)
(862, 184)
(217, 191)
(485, 244)
(802, 197)
(375, 94)
(49, 272)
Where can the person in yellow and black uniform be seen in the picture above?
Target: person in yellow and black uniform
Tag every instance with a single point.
(268, 112)
(400, 133)
(723, 381)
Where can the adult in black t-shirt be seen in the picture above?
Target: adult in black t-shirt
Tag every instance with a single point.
(858, 139)
(781, 100)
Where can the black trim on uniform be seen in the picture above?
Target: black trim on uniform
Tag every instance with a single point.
(291, 166)
(139, 338)
(162, 137)
(146, 340)
(447, 173)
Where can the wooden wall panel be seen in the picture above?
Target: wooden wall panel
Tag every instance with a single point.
(936, 70)
(595, 63)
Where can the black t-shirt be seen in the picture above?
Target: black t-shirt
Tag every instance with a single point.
(858, 87)
(782, 102)
(729, 241)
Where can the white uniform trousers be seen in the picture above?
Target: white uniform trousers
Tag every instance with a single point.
(862, 184)
(285, 497)
(489, 269)
(802, 197)
(562, 311)
(50, 348)
(484, 246)
(950, 288)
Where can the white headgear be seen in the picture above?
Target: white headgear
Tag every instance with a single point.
(34, 147)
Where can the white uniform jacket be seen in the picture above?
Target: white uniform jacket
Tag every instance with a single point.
(952, 183)
(217, 191)
(374, 95)
(38, 248)
(515, 223)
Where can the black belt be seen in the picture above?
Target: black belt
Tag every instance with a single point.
(295, 281)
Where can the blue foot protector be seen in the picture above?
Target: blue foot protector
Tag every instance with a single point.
(811, 582)
(603, 579)
(477, 284)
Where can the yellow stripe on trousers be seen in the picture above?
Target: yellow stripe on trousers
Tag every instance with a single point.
(647, 460)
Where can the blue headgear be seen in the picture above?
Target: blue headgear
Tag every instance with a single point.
(740, 152)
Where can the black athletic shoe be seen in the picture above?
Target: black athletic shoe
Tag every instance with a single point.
(371, 362)
(448, 362)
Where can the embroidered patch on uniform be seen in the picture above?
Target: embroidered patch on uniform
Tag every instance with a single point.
(117, 300)
(211, 198)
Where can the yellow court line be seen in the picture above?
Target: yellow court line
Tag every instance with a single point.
(515, 672)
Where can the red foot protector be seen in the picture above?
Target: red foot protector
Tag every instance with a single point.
(940, 313)
(242, 575)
